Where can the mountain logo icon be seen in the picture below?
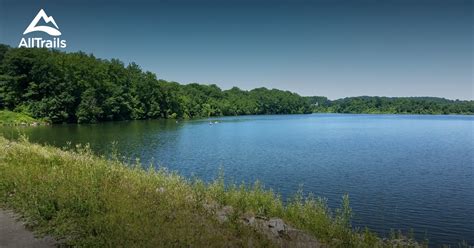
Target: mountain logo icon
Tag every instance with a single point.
(47, 19)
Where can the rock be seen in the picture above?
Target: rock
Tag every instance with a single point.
(275, 229)
(261, 217)
(280, 233)
(248, 219)
(277, 226)
(224, 213)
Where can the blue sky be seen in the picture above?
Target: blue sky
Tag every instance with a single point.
(334, 48)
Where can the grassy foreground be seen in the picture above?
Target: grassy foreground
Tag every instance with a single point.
(85, 200)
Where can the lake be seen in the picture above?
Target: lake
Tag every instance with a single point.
(400, 171)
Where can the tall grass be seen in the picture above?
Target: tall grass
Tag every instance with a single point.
(86, 200)
(13, 118)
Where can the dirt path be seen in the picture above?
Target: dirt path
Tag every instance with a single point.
(14, 234)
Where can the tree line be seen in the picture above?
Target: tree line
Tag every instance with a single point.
(80, 88)
(391, 105)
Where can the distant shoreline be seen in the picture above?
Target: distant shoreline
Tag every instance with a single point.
(24, 120)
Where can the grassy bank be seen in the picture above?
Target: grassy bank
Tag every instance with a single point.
(85, 200)
(10, 118)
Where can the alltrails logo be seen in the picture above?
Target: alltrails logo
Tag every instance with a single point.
(38, 41)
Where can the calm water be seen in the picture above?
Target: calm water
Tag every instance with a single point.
(401, 172)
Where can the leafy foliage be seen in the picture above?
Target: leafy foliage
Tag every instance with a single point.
(76, 87)
(392, 105)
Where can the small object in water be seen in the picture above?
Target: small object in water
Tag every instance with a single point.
(216, 122)
(176, 121)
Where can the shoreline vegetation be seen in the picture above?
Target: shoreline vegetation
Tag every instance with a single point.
(60, 87)
(85, 200)
(9, 118)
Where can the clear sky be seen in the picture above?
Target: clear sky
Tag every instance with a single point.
(334, 48)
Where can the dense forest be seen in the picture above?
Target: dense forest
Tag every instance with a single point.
(77, 87)
(391, 105)
(80, 88)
